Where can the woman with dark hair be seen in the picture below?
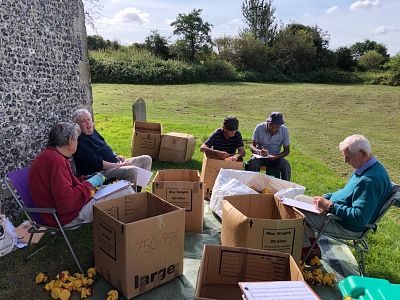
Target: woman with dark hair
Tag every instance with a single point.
(53, 184)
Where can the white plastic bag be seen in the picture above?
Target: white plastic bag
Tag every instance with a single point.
(238, 182)
(8, 237)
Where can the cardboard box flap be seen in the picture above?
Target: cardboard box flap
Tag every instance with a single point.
(287, 212)
(236, 224)
(147, 127)
(135, 207)
(177, 175)
(261, 206)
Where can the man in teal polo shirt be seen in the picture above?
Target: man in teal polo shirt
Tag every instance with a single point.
(360, 200)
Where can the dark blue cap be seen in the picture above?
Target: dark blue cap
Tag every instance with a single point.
(275, 118)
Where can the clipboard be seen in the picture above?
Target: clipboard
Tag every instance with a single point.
(275, 290)
(111, 188)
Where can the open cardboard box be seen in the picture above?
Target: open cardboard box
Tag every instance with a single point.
(146, 139)
(210, 170)
(223, 267)
(262, 222)
(184, 189)
(132, 235)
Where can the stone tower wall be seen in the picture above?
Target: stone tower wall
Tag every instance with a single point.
(44, 75)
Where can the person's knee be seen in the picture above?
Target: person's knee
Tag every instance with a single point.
(252, 165)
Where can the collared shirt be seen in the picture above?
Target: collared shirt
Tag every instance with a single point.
(273, 143)
(365, 166)
(217, 141)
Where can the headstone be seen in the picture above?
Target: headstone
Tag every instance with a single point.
(139, 110)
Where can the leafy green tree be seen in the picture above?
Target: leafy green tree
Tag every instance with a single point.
(359, 48)
(195, 34)
(371, 60)
(157, 44)
(260, 18)
(245, 52)
(345, 60)
(394, 64)
(294, 51)
(96, 42)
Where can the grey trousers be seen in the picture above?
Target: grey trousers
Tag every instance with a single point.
(129, 172)
(280, 164)
(318, 221)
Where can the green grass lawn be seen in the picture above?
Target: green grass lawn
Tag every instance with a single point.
(318, 117)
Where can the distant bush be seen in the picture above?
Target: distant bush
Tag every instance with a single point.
(133, 65)
(139, 66)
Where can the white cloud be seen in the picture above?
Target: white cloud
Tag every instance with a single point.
(364, 4)
(332, 9)
(306, 15)
(169, 21)
(236, 21)
(386, 29)
(128, 16)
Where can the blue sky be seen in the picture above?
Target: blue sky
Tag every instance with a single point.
(347, 21)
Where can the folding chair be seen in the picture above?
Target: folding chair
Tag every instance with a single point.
(360, 244)
(17, 184)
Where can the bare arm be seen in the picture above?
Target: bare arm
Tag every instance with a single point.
(212, 152)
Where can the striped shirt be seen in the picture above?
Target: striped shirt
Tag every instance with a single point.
(217, 141)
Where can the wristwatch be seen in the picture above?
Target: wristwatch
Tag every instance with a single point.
(331, 207)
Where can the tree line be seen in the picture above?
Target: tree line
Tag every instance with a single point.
(263, 47)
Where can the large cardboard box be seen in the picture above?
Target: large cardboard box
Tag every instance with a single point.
(132, 235)
(184, 189)
(210, 170)
(222, 268)
(146, 139)
(177, 147)
(262, 222)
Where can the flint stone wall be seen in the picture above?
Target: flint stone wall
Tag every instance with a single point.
(44, 76)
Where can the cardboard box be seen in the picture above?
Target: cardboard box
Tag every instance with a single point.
(177, 147)
(222, 268)
(146, 139)
(210, 170)
(184, 189)
(132, 235)
(262, 222)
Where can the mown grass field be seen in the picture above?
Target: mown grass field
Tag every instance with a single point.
(318, 117)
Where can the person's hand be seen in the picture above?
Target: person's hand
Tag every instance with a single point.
(322, 203)
(263, 151)
(96, 180)
(232, 158)
(222, 155)
(120, 158)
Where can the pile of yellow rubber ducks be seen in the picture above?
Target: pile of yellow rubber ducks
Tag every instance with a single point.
(316, 275)
(64, 284)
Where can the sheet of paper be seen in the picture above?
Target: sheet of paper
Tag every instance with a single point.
(111, 188)
(143, 177)
(273, 290)
(262, 156)
(301, 205)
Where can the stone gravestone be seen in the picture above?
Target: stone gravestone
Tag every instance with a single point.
(139, 110)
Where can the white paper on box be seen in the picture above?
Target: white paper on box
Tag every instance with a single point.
(143, 177)
(272, 290)
(299, 204)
